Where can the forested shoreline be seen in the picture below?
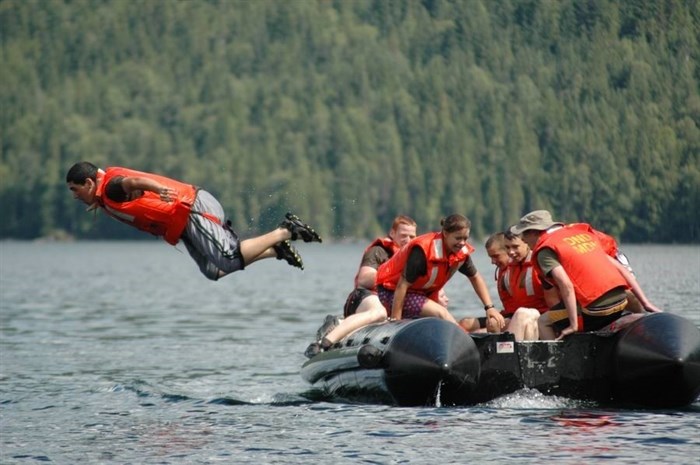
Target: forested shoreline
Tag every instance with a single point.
(348, 112)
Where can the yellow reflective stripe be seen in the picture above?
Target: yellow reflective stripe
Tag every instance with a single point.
(529, 282)
(437, 248)
(506, 281)
(433, 277)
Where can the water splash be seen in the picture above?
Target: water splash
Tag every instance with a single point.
(534, 399)
(438, 394)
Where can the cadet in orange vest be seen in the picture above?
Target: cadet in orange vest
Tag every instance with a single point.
(527, 298)
(519, 289)
(572, 259)
(610, 247)
(178, 211)
(495, 249)
(362, 307)
(420, 269)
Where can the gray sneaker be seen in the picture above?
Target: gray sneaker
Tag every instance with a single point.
(313, 350)
(329, 323)
(316, 348)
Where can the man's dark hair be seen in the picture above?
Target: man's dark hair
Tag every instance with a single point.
(80, 172)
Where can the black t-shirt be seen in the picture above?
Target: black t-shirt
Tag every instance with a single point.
(374, 257)
(417, 266)
(115, 191)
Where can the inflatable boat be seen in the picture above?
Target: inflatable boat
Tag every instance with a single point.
(654, 362)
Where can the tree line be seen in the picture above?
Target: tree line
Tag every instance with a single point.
(348, 112)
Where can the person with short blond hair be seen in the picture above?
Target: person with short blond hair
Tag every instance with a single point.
(362, 306)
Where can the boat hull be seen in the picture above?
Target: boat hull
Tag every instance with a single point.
(401, 363)
(652, 362)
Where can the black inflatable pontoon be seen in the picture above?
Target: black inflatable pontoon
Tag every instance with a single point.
(652, 362)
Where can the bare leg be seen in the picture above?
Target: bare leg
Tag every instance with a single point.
(260, 247)
(544, 328)
(370, 311)
(531, 332)
(523, 325)
(432, 308)
(633, 304)
(267, 253)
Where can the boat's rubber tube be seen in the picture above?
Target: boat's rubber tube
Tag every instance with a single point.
(651, 362)
(428, 356)
(403, 363)
(657, 362)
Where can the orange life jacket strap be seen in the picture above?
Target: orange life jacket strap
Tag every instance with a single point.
(209, 216)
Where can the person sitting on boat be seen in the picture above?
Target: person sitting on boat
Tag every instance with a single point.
(420, 269)
(526, 298)
(519, 289)
(611, 247)
(178, 211)
(572, 260)
(496, 250)
(362, 307)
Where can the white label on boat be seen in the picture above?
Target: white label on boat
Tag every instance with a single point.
(505, 347)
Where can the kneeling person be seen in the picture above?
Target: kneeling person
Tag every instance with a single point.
(362, 306)
(407, 282)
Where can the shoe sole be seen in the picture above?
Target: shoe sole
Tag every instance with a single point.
(298, 228)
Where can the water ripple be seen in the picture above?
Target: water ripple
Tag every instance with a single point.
(127, 366)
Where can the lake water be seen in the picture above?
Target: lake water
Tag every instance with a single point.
(121, 352)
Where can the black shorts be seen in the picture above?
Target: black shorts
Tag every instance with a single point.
(354, 300)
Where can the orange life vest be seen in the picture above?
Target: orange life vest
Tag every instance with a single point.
(440, 264)
(607, 242)
(387, 244)
(503, 287)
(523, 286)
(609, 245)
(149, 213)
(583, 259)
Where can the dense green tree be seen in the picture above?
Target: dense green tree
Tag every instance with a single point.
(351, 111)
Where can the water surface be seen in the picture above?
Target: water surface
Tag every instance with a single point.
(121, 352)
